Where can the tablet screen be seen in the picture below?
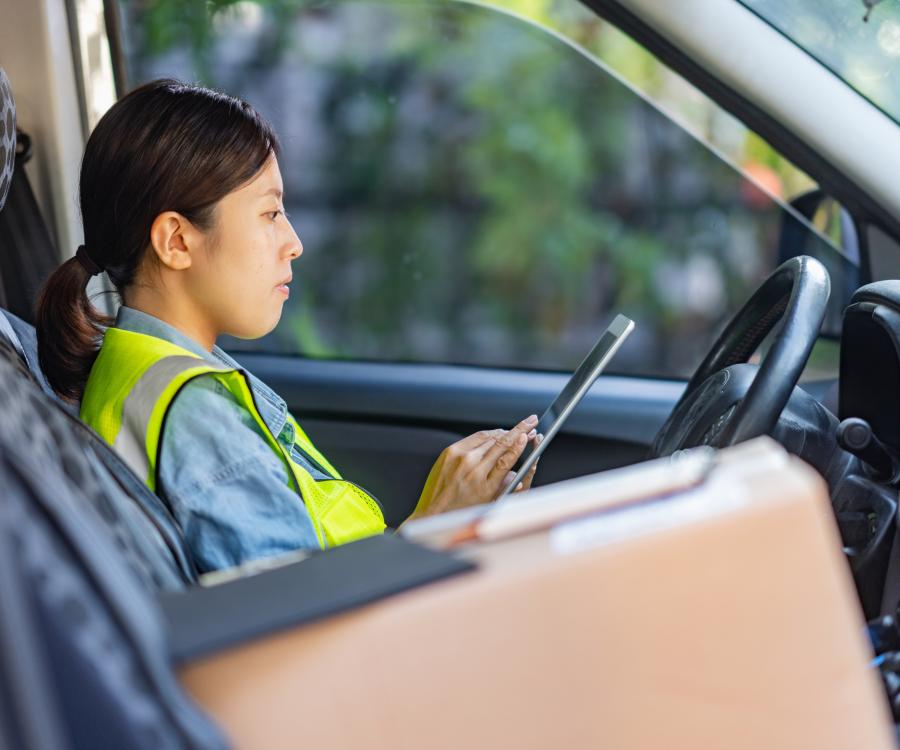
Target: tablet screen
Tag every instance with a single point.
(575, 389)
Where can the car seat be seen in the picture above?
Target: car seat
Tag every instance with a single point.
(22, 337)
(84, 658)
(147, 529)
(83, 644)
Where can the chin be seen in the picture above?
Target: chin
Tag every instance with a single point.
(253, 331)
(257, 326)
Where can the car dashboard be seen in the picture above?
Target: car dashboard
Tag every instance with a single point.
(857, 449)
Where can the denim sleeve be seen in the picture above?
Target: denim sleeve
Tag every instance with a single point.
(227, 488)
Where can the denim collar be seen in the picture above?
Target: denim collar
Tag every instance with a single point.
(271, 406)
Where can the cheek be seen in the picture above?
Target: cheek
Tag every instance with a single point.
(246, 260)
(246, 256)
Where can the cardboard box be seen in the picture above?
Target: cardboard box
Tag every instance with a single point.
(723, 616)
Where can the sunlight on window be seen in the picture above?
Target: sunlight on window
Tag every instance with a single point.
(679, 99)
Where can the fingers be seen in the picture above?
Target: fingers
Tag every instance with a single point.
(513, 442)
(505, 462)
(483, 438)
(486, 439)
(529, 477)
(507, 480)
(525, 484)
(502, 457)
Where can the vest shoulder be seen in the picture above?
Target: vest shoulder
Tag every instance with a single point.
(128, 361)
(134, 343)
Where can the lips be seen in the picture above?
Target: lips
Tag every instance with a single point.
(283, 286)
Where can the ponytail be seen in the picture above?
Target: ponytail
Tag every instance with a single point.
(69, 329)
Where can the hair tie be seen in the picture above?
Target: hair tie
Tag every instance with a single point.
(87, 262)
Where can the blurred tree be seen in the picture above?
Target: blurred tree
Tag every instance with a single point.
(471, 188)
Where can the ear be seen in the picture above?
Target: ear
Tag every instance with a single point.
(174, 239)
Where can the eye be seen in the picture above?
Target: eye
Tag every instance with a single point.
(274, 214)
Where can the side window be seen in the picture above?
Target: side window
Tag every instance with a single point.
(473, 187)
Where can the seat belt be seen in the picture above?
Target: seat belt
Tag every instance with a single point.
(28, 254)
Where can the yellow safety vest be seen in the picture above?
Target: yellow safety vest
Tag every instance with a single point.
(132, 385)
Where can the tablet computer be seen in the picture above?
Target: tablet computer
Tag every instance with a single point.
(565, 402)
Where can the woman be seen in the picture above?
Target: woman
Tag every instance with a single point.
(181, 200)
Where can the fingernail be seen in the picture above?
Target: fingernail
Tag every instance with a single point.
(532, 434)
(532, 418)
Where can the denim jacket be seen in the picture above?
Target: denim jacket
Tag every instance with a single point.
(228, 489)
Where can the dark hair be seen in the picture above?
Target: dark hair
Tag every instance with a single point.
(166, 146)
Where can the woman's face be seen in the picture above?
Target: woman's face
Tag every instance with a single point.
(240, 280)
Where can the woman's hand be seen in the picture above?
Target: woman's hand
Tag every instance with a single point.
(525, 484)
(475, 469)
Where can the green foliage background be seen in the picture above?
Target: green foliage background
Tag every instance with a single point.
(478, 190)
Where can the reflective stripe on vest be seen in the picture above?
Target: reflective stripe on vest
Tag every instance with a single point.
(134, 382)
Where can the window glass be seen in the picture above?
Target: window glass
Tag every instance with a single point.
(859, 40)
(472, 187)
(681, 101)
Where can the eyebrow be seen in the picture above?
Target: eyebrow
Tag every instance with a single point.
(272, 191)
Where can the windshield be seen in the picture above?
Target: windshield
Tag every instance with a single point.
(859, 40)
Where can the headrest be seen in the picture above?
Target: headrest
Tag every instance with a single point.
(7, 136)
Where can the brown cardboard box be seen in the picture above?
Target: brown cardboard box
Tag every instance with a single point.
(722, 617)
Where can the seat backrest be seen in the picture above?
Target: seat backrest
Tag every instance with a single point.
(76, 618)
(22, 337)
(63, 448)
(145, 516)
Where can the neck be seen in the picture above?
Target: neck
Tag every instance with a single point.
(185, 320)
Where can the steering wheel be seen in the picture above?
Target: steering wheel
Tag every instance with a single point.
(727, 402)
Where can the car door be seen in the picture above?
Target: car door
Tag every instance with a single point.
(478, 196)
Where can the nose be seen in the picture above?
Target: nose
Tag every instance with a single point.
(293, 244)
